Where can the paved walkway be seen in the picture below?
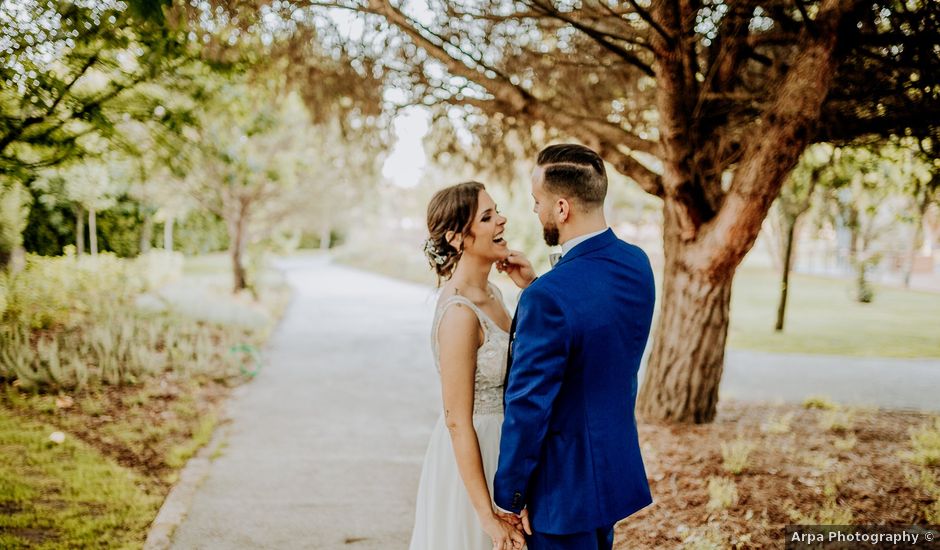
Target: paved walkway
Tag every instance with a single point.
(325, 446)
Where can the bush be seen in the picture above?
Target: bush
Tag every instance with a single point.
(722, 493)
(925, 442)
(819, 402)
(836, 421)
(60, 291)
(735, 455)
(199, 233)
(121, 347)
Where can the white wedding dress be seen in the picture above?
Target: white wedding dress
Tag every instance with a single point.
(444, 517)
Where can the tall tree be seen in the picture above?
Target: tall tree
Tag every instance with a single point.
(864, 198)
(795, 200)
(76, 74)
(263, 165)
(920, 175)
(707, 104)
(80, 69)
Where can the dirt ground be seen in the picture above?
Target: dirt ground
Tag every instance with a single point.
(805, 466)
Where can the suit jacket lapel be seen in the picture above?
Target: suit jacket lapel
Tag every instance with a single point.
(512, 336)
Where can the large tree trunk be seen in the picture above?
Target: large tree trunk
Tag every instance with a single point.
(708, 231)
(92, 232)
(785, 281)
(684, 369)
(79, 230)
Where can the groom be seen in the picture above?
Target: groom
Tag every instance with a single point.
(569, 458)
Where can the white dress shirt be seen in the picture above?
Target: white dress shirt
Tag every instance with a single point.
(571, 243)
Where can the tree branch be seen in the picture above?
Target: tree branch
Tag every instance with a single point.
(599, 37)
(787, 125)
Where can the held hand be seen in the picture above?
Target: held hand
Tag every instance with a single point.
(504, 535)
(518, 267)
(526, 526)
(511, 519)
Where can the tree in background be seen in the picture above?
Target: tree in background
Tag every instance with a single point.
(919, 172)
(14, 213)
(707, 105)
(264, 165)
(864, 198)
(795, 199)
(74, 75)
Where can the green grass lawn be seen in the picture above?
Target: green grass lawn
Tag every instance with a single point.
(822, 317)
(67, 495)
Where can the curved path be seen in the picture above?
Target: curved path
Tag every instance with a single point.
(325, 446)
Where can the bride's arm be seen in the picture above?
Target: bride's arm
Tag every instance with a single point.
(459, 336)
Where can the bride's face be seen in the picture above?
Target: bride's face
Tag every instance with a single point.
(486, 239)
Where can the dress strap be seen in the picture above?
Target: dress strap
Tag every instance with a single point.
(458, 299)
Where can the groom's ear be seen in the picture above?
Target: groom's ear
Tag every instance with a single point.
(562, 209)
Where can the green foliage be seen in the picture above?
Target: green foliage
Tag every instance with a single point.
(49, 229)
(61, 290)
(199, 233)
(837, 421)
(201, 435)
(72, 324)
(925, 444)
(14, 212)
(119, 228)
(820, 402)
(78, 76)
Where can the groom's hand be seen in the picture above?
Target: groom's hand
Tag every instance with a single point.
(520, 521)
(518, 267)
(524, 517)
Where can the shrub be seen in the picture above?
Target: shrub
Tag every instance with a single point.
(819, 402)
(60, 291)
(845, 443)
(722, 493)
(925, 444)
(836, 421)
(119, 348)
(735, 455)
(778, 425)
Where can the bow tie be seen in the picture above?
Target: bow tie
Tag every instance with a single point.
(553, 258)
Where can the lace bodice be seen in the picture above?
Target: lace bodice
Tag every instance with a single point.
(491, 356)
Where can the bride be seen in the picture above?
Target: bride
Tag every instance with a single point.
(469, 339)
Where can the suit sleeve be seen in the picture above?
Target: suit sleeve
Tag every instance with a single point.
(540, 353)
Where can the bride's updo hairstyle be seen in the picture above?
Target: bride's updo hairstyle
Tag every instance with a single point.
(450, 209)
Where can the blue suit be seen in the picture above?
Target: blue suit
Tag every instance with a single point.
(569, 451)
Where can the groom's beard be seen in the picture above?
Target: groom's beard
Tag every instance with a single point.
(550, 234)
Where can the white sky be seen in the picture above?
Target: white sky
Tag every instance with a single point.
(406, 163)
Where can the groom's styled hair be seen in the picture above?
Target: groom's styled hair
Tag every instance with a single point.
(575, 172)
